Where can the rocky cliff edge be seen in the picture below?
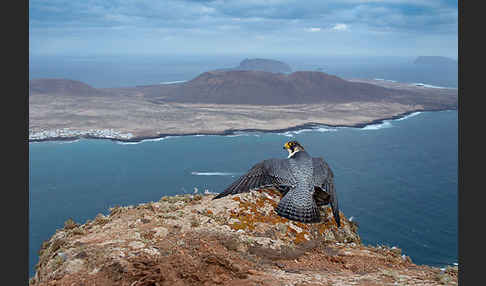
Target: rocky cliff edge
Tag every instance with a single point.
(235, 240)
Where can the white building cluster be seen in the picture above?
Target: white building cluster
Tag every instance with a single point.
(42, 134)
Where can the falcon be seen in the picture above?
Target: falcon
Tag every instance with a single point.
(306, 183)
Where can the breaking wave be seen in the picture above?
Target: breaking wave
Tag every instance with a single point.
(315, 129)
(171, 82)
(238, 134)
(68, 141)
(384, 124)
(144, 140)
(427, 85)
(409, 115)
(212, 174)
(390, 80)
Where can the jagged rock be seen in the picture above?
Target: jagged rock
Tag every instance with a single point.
(235, 240)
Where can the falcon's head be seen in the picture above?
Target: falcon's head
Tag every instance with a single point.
(293, 147)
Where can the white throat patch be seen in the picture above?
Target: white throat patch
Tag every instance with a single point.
(293, 153)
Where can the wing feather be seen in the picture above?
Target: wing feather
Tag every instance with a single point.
(324, 178)
(270, 172)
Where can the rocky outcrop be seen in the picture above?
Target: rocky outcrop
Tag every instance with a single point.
(235, 240)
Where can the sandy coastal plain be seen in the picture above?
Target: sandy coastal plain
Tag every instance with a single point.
(143, 119)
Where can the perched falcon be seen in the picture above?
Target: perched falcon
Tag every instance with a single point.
(306, 183)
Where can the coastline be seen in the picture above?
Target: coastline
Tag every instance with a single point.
(228, 132)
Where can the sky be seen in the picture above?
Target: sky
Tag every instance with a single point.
(267, 27)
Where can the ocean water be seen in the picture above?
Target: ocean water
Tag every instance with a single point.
(397, 179)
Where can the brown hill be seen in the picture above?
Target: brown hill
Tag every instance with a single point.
(59, 86)
(258, 87)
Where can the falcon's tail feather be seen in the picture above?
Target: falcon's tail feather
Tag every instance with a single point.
(299, 206)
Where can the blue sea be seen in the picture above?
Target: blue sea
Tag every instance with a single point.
(397, 179)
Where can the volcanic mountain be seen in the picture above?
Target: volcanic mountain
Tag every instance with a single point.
(258, 87)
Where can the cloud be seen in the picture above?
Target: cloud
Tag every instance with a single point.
(340, 27)
(90, 22)
(399, 14)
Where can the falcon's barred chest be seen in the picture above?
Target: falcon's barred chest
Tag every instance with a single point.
(301, 167)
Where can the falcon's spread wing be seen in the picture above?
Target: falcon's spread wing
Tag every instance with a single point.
(324, 187)
(270, 172)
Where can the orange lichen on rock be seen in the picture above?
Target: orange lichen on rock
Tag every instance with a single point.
(258, 208)
(255, 210)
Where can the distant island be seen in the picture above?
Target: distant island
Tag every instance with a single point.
(434, 60)
(258, 64)
(264, 65)
(221, 102)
